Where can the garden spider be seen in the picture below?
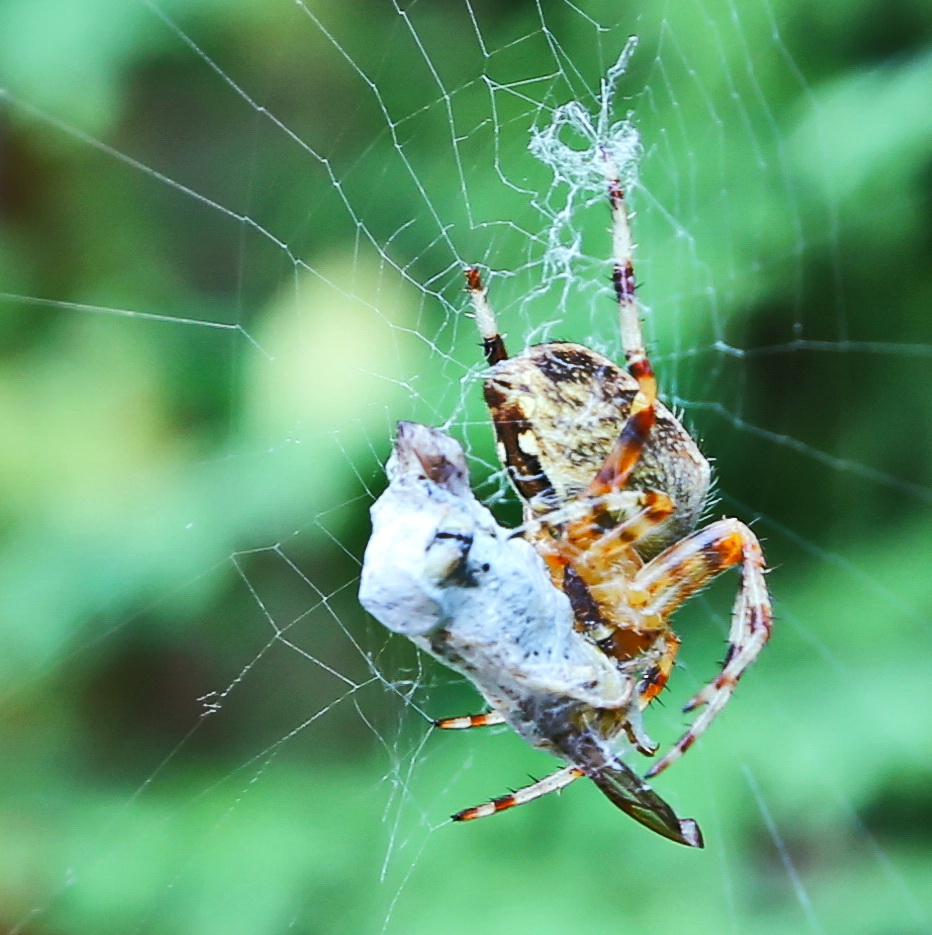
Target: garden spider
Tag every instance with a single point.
(563, 624)
(612, 486)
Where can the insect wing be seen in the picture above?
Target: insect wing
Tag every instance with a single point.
(625, 789)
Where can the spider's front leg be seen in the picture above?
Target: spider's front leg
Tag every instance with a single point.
(623, 458)
(685, 568)
(493, 345)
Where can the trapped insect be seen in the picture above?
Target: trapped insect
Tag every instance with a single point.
(440, 570)
(612, 487)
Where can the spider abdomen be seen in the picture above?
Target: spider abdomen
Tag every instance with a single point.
(558, 410)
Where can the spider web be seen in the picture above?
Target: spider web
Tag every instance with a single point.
(231, 259)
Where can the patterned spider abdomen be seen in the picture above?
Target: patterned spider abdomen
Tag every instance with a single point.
(558, 411)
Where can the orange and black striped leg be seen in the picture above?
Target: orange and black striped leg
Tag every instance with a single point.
(621, 461)
(656, 678)
(489, 719)
(653, 507)
(588, 524)
(552, 783)
(682, 570)
(492, 343)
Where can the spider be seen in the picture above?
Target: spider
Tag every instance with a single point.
(562, 624)
(612, 488)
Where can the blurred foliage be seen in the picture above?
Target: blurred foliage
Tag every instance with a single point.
(193, 425)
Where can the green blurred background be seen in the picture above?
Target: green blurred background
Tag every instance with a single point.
(236, 229)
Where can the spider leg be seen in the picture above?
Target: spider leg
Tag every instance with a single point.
(586, 552)
(552, 783)
(629, 312)
(682, 570)
(586, 547)
(492, 343)
(652, 508)
(656, 678)
(489, 719)
(619, 464)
